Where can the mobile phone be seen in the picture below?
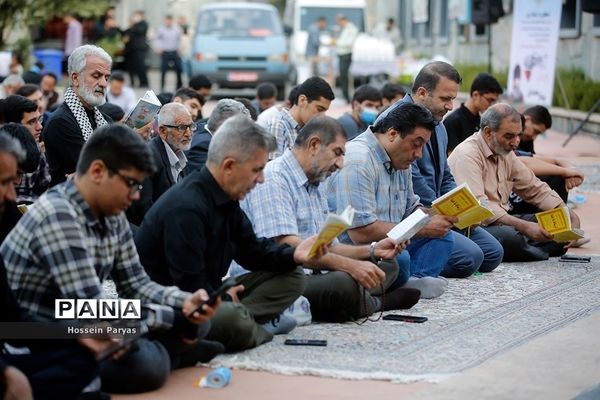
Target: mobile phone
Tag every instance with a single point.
(127, 341)
(576, 259)
(225, 286)
(405, 318)
(305, 342)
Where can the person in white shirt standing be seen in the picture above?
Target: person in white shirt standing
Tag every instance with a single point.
(344, 44)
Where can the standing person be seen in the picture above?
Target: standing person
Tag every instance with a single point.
(71, 125)
(136, 48)
(193, 232)
(76, 236)
(376, 182)
(388, 30)
(166, 42)
(73, 37)
(488, 163)
(464, 121)
(313, 44)
(344, 44)
(435, 87)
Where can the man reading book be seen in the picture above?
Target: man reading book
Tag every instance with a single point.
(291, 205)
(435, 87)
(487, 162)
(376, 181)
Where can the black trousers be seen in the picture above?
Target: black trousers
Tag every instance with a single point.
(345, 62)
(170, 60)
(556, 183)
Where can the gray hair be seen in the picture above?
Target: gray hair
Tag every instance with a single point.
(10, 145)
(224, 109)
(169, 112)
(494, 116)
(78, 58)
(13, 80)
(325, 128)
(239, 137)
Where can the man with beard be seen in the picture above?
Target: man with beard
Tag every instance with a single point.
(74, 121)
(192, 233)
(488, 163)
(175, 128)
(348, 283)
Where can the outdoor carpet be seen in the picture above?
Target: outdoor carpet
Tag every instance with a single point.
(477, 318)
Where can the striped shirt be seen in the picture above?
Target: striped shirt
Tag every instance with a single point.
(285, 130)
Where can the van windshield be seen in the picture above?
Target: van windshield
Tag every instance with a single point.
(238, 23)
(309, 15)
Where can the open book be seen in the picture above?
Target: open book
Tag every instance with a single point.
(558, 223)
(409, 226)
(461, 202)
(333, 226)
(144, 111)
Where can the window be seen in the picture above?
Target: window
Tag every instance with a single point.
(570, 19)
(444, 21)
(427, 25)
(596, 24)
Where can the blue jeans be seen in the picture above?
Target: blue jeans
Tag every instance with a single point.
(478, 252)
(403, 260)
(428, 256)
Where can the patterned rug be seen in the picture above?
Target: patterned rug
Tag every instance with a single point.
(477, 318)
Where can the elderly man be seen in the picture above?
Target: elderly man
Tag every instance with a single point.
(76, 236)
(435, 87)
(352, 284)
(193, 232)
(198, 151)
(175, 127)
(487, 162)
(74, 121)
(376, 181)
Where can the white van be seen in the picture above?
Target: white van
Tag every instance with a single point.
(299, 15)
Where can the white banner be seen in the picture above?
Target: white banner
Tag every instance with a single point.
(536, 24)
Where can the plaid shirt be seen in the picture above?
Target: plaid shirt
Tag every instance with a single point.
(34, 184)
(285, 130)
(60, 249)
(286, 203)
(370, 185)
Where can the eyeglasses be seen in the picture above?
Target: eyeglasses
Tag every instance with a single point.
(133, 184)
(183, 128)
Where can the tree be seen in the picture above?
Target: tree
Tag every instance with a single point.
(29, 13)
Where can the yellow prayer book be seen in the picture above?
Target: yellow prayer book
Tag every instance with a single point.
(461, 202)
(334, 225)
(558, 223)
(23, 208)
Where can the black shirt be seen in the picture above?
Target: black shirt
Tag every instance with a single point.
(460, 124)
(194, 230)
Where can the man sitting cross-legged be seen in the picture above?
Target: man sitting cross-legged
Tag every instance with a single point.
(76, 235)
(291, 205)
(193, 232)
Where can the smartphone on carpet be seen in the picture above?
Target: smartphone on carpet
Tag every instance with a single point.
(405, 318)
(575, 259)
(305, 342)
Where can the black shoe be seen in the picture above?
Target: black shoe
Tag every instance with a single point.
(204, 351)
(95, 395)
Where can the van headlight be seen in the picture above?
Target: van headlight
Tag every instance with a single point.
(282, 58)
(205, 57)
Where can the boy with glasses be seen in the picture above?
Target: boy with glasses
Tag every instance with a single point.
(464, 121)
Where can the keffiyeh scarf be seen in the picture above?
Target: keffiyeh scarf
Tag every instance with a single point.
(81, 116)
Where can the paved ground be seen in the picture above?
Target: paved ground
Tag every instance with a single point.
(560, 365)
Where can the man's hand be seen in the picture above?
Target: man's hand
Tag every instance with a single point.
(192, 302)
(438, 226)
(535, 232)
(233, 292)
(17, 385)
(387, 249)
(302, 250)
(367, 274)
(97, 346)
(573, 182)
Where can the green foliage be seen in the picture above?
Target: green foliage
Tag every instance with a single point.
(468, 72)
(582, 93)
(16, 13)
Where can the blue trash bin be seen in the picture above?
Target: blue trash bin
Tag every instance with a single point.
(52, 60)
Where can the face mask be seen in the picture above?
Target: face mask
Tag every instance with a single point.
(368, 115)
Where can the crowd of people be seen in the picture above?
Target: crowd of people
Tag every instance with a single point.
(166, 211)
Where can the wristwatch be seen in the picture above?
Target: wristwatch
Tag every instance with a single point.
(372, 252)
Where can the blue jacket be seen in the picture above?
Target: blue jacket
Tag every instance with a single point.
(430, 183)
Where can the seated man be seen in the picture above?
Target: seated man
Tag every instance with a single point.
(376, 181)
(313, 98)
(76, 236)
(193, 232)
(175, 127)
(391, 93)
(366, 103)
(266, 96)
(299, 212)
(487, 162)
